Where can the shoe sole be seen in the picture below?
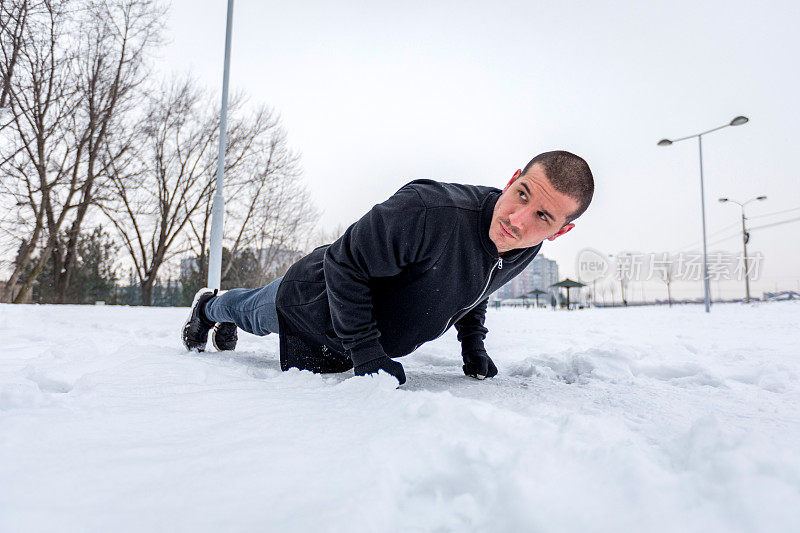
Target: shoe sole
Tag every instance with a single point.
(212, 332)
(214, 341)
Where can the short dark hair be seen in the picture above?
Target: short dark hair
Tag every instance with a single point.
(568, 174)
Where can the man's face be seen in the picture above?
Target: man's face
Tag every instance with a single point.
(529, 211)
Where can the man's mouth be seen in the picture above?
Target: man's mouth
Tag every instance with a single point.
(506, 232)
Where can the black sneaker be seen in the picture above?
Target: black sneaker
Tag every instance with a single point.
(195, 331)
(223, 336)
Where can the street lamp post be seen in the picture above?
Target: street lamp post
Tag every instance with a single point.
(745, 240)
(666, 142)
(218, 201)
(621, 282)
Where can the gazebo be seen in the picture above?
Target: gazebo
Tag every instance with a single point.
(568, 284)
(534, 292)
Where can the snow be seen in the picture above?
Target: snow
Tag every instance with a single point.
(629, 419)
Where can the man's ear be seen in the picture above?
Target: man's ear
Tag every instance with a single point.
(561, 232)
(513, 179)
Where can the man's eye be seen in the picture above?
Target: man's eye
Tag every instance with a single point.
(523, 195)
(542, 216)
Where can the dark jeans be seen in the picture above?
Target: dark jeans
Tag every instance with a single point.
(252, 310)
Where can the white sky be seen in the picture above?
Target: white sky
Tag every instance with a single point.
(375, 94)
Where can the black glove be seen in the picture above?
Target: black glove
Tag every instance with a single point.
(382, 363)
(478, 364)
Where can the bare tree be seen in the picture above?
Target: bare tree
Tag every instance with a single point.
(665, 267)
(164, 187)
(165, 181)
(35, 172)
(13, 20)
(72, 74)
(109, 69)
(322, 236)
(268, 210)
(76, 71)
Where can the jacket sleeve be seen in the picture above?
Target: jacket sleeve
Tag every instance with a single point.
(471, 330)
(384, 241)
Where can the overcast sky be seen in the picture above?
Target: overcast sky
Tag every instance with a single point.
(375, 94)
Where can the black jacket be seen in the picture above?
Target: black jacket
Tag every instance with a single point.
(409, 269)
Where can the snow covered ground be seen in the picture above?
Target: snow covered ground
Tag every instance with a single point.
(632, 419)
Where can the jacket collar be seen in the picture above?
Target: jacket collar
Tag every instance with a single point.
(485, 221)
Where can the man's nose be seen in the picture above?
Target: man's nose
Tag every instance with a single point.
(517, 219)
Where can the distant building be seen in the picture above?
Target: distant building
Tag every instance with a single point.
(540, 274)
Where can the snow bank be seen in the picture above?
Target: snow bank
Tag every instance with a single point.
(603, 420)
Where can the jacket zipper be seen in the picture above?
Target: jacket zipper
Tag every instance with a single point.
(498, 266)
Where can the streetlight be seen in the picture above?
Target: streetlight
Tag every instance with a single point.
(621, 282)
(737, 121)
(745, 240)
(218, 201)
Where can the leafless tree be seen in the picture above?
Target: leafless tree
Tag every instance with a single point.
(13, 20)
(665, 266)
(165, 180)
(322, 236)
(116, 37)
(34, 157)
(76, 72)
(164, 186)
(268, 210)
(74, 138)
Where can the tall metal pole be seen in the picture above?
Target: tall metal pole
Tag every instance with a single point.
(746, 262)
(218, 205)
(737, 121)
(745, 240)
(622, 292)
(705, 246)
